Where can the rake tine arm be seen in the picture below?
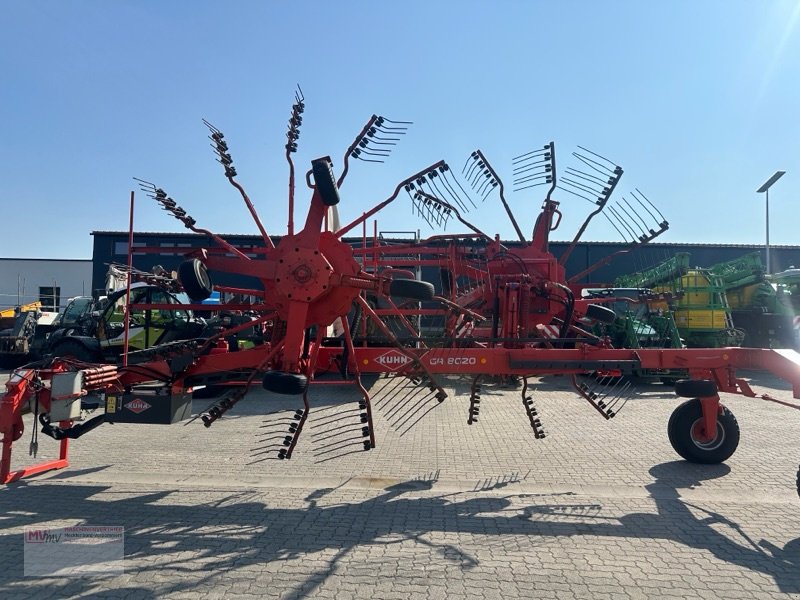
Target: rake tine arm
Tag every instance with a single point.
(453, 191)
(579, 186)
(368, 142)
(221, 148)
(469, 165)
(267, 241)
(614, 225)
(575, 278)
(593, 164)
(455, 212)
(655, 208)
(574, 193)
(623, 222)
(438, 193)
(291, 146)
(406, 182)
(608, 183)
(507, 208)
(588, 177)
(631, 222)
(635, 214)
(352, 147)
(552, 147)
(171, 206)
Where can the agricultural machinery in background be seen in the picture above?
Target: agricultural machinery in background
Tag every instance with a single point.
(325, 307)
(788, 290)
(643, 320)
(700, 306)
(763, 310)
(731, 303)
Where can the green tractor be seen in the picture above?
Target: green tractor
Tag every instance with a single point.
(643, 321)
(97, 329)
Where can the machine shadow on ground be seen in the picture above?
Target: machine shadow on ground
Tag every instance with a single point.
(178, 545)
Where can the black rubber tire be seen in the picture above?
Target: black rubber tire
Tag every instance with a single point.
(679, 430)
(72, 349)
(695, 388)
(411, 288)
(798, 481)
(325, 181)
(194, 278)
(601, 313)
(288, 384)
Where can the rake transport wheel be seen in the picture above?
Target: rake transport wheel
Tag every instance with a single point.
(194, 278)
(288, 384)
(684, 429)
(325, 181)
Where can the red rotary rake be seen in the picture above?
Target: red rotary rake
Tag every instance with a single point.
(503, 312)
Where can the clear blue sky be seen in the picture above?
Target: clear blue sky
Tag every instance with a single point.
(698, 101)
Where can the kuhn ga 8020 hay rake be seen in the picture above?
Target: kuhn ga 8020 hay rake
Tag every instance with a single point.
(326, 304)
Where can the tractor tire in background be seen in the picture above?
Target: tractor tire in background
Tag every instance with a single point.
(193, 276)
(288, 384)
(600, 313)
(76, 351)
(411, 288)
(325, 181)
(681, 428)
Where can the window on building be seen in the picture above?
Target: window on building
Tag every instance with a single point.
(121, 248)
(50, 297)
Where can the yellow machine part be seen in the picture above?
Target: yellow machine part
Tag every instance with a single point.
(696, 286)
(742, 297)
(9, 312)
(701, 319)
(700, 307)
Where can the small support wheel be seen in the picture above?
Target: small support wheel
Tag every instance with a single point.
(325, 182)
(600, 313)
(411, 288)
(193, 276)
(695, 388)
(685, 428)
(288, 384)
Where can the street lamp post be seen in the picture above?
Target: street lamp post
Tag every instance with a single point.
(764, 189)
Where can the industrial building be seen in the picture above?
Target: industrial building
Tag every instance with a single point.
(112, 247)
(51, 281)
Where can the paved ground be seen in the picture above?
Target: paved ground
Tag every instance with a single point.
(438, 510)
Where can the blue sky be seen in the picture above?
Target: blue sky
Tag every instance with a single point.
(696, 100)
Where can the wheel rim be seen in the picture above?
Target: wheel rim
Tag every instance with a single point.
(202, 275)
(712, 444)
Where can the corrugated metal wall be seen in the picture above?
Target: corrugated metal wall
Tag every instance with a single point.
(112, 247)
